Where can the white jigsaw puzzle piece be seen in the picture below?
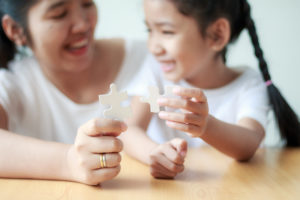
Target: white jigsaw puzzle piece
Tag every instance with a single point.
(115, 99)
(154, 96)
(169, 91)
(152, 99)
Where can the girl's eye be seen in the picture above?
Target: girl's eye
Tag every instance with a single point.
(148, 30)
(168, 32)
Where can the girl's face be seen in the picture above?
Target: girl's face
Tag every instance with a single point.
(61, 33)
(176, 41)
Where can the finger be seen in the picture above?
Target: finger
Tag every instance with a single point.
(101, 126)
(168, 164)
(170, 152)
(93, 161)
(157, 174)
(195, 131)
(104, 174)
(180, 145)
(192, 93)
(159, 171)
(186, 104)
(187, 118)
(104, 144)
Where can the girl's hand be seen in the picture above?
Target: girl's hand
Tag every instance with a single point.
(194, 116)
(166, 161)
(96, 137)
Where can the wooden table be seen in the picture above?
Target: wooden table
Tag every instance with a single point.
(271, 174)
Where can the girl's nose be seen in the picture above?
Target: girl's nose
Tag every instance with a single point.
(155, 47)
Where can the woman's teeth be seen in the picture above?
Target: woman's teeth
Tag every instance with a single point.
(79, 44)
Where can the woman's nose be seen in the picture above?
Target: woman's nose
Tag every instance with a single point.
(80, 22)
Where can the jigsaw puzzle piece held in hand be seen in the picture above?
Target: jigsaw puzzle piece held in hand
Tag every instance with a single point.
(154, 96)
(115, 99)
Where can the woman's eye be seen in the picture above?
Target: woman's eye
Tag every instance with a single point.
(88, 4)
(59, 16)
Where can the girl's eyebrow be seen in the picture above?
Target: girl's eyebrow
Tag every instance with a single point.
(162, 23)
(57, 4)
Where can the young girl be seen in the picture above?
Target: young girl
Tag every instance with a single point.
(49, 101)
(189, 40)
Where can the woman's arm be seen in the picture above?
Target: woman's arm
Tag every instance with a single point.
(26, 157)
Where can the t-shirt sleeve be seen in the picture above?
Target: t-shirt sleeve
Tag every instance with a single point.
(9, 94)
(145, 77)
(254, 102)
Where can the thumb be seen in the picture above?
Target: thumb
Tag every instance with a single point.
(180, 145)
(101, 126)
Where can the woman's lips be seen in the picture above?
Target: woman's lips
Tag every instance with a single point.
(78, 48)
(79, 51)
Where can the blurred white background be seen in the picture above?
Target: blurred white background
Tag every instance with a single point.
(278, 28)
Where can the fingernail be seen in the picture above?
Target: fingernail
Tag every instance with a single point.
(123, 126)
(161, 100)
(162, 114)
(183, 153)
(176, 89)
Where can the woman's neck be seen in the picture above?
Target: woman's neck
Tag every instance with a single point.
(84, 86)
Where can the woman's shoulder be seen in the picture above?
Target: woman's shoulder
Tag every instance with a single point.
(20, 67)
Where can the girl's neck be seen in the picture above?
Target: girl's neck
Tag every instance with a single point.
(215, 75)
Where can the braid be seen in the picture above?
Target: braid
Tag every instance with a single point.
(286, 118)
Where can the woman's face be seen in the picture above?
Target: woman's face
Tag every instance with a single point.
(175, 40)
(62, 33)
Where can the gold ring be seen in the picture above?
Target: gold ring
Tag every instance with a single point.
(102, 160)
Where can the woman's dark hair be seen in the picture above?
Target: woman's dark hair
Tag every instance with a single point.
(17, 10)
(237, 12)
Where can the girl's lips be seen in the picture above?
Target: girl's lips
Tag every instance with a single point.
(167, 67)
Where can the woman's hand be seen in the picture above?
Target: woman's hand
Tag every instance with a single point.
(194, 116)
(94, 138)
(166, 161)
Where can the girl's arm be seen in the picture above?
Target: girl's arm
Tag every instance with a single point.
(238, 141)
(165, 160)
(26, 157)
(137, 143)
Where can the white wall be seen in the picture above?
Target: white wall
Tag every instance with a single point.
(278, 27)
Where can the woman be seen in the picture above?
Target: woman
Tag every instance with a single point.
(45, 98)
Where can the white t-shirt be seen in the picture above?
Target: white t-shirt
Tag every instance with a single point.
(36, 108)
(246, 96)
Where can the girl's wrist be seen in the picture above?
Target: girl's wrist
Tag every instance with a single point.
(209, 123)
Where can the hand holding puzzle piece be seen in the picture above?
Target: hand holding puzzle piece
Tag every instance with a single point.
(115, 99)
